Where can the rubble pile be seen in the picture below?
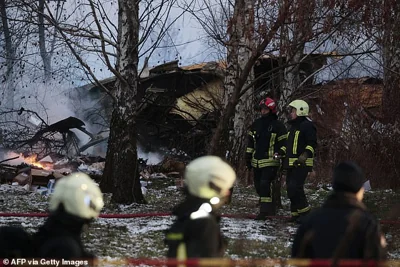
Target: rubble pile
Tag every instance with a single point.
(168, 167)
(41, 175)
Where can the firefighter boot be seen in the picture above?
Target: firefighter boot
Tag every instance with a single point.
(266, 209)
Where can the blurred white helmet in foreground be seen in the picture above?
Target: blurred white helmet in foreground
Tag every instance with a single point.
(208, 177)
(79, 195)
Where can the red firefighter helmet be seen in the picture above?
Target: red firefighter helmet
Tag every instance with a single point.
(268, 103)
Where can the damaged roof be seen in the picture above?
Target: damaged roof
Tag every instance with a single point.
(194, 90)
(330, 103)
(364, 91)
(180, 103)
(204, 69)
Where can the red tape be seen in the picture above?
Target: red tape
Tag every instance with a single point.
(158, 214)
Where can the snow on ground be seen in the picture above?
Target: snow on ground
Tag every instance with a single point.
(143, 237)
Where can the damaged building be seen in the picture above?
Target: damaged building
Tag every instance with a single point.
(179, 106)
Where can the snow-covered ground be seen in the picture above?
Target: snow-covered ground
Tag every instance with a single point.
(143, 237)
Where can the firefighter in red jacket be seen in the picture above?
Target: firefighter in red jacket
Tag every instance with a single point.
(266, 137)
(299, 156)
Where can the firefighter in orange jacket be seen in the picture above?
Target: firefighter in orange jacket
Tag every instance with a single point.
(299, 156)
(267, 136)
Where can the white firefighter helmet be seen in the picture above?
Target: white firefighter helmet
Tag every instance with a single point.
(208, 177)
(301, 107)
(79, 195)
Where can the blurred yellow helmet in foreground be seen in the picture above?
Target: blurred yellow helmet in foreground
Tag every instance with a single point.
(79, 195)
(208, 177)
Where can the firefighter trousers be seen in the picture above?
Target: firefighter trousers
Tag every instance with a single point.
(263, 178)
(295, 179)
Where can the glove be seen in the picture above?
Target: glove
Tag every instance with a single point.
(301, 161)
(276, 156)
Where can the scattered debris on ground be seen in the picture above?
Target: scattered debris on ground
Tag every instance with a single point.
(143, 236)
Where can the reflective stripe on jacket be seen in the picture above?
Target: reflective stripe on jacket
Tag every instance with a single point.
(266, 137)
(302, 137)
(195, 233)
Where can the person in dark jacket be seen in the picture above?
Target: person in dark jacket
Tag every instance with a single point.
(342, 228)
(196, 232)
(266, 137)
(299, 157)
(76, 201)
(15, 242)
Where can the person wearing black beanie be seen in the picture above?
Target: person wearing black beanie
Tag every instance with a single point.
(348, 177)
(342, 228)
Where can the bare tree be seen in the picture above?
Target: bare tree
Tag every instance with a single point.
(25, 83)
(220, 142)
(242, 43)
(378, 21)
(41, 34)
(293, 44)
(42, 41)
(294, 31)
(9, 57)
(391, 60)
(91, 29)
(121, 169)
(134, 30)
(44, 33)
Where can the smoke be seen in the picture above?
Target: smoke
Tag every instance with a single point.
(55, 103)
(8, 155)
(152, 158)
(48, 100)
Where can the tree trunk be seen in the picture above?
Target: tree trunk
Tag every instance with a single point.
(121, 174)
(244, 111)
(236, 78)
(293, 49)
(46, 58)
(233, 133)
(10, 58)
(391, 62)
(220, 139)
